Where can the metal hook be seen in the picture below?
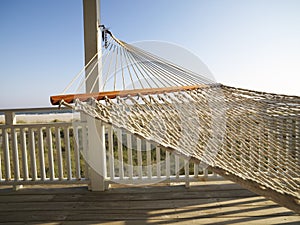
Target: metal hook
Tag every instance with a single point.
(105, 31)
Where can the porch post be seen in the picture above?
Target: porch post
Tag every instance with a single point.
(96, 153)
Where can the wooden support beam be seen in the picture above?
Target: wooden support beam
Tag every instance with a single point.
(56, 100)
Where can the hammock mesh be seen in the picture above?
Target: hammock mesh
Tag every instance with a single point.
(258, 138)
(250, 137)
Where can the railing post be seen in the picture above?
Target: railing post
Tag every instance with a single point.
(95, 154)
(10, 119)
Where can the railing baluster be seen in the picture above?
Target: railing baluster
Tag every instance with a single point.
(41, 153)
(168, 167)
(84, 150)
(187, 172)
(139, 157)
(111, 156)
(68, 153)
(32, 154)
(120, 153)
(196, 170)
(50, 153)
(15, 152)
(59, 154)
(6, 155)
(76, 152)
(149, 164)
(158, 166)
(177, 166)
(129, 152)
(24, 154)
(1, 149)
(205, 174)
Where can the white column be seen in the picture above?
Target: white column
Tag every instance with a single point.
(96, 153)
(91, 12)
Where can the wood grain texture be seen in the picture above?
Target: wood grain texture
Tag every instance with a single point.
(218, 202)
(70, 98)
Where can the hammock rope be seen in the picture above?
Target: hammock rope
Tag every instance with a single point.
(250, 137)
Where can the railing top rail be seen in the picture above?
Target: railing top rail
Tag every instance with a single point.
(40, 125)
(40, 109)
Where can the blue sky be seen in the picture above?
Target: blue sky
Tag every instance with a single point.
(252, 44)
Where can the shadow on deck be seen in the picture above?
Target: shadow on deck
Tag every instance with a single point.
(214, 202)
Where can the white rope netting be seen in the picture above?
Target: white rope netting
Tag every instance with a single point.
(250, 137)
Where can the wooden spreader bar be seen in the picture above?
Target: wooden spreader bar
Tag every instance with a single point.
(70, 98)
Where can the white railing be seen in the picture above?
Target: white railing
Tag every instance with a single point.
(49, 152)
(40, 153)
(132, 160)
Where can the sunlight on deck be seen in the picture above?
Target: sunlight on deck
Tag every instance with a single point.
(213, 202)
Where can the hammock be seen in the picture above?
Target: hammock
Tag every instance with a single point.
(249, 137)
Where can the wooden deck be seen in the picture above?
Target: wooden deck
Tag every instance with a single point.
(220, 202)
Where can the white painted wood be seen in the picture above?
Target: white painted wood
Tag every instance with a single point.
(187, 173)
(111, 157)
(35, 110)
(96, 139)
(41, 154)
(84, 149)
(76, 152)
(177, 166)
(15, 154)
(56, 181)
(130, 159)
(158, 163)
(6, 155)
(24, 154)
(59, 153)
(168, 165)
(10, 117)
(35, 137)
(139, 157)
(205, 173)
(96, 155)
(68, 153)
(1, 147)
(50, 153)
(92, 35)
(16, 149)
(148, 159)
(102, 159)
(120, 153)
(31, 137)
(154, 179)
(196, 170)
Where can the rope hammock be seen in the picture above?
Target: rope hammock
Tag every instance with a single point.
(249, 137)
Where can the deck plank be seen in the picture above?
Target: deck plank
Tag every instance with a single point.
(207, 203)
